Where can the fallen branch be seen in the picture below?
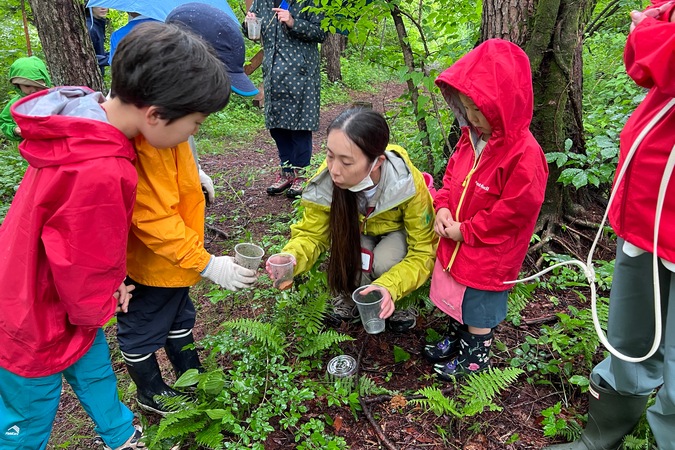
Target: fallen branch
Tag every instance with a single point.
(364, 405)
(538, 320)
(579, 233)
(217, 231)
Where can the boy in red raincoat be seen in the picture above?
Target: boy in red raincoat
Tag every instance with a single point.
(64, 239)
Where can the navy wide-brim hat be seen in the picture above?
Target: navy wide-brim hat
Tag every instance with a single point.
(224, 34)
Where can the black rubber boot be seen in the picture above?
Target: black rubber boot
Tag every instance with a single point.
(611, 416)
(182, 359)
(473, 356)
(446, 348)
(150, 386)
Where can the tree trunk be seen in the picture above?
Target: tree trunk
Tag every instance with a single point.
(70, 54)
(413, 90)
(551, 33)
(331, 49)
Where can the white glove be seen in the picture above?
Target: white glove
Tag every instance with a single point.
(207, 187)
(223, 271)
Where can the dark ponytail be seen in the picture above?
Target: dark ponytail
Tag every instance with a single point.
(370, 132)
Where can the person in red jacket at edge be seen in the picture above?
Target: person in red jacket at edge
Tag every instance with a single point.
(619, 390)
(486, 211)
(62, 264)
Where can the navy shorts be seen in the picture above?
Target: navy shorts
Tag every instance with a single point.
(484, 309)
(153, 312)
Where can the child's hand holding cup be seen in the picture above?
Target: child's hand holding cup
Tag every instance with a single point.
(280, 269)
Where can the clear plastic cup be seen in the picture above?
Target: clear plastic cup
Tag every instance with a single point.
(253, 26)
(369, 309)
(281, 267)
(248, 255)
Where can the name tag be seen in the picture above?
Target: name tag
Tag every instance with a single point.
(366, 260)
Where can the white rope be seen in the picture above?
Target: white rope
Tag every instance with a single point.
(588, 266)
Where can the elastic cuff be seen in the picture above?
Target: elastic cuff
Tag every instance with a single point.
(203, 272)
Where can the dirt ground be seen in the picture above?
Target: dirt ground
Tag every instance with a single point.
(241, 175)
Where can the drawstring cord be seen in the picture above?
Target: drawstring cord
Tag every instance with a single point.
(588, 266)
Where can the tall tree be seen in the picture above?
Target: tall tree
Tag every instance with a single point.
(331, 50)
(551, 33)
(69, 52)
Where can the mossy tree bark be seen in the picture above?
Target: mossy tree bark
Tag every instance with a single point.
(68, 49)
(551, 33)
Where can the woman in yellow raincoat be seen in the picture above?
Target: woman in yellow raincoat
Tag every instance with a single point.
(370, 206)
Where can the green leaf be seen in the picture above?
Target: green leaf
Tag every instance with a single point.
(216, 414)
(604, 142)
(559, 158)
(400, 355)
(189, 378)
(580, 179)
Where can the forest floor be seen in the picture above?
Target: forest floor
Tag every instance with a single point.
(242, 206)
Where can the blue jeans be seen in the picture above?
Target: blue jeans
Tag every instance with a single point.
(28, 405)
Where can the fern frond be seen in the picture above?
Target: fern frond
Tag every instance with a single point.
(311, 315)
(572, 431)
(265, 333)
(210, 436)
(319, 342)
(369, 387)
(481, 388)
(516, 303)
(180, 424)
(436, 402)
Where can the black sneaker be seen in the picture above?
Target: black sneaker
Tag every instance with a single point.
(403, 320)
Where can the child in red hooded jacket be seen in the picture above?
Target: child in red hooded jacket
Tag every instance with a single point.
(492, 192)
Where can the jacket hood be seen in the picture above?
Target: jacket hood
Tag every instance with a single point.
(31, 68)
(496, 75)
(67, 125)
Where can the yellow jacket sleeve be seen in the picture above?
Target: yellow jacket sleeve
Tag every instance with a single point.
(166, 245)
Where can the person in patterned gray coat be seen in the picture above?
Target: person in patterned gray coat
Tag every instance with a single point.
(292, 83)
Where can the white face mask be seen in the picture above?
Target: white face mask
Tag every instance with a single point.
(367, 182)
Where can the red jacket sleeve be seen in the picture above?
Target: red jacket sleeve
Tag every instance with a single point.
(85, 239)
(650, 53)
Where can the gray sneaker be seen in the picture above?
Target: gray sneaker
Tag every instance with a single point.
(344, 309)
(133, 443)
(403, 320)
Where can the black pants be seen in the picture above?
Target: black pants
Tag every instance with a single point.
(153, 312)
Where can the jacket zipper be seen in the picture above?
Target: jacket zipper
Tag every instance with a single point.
(465, 185)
